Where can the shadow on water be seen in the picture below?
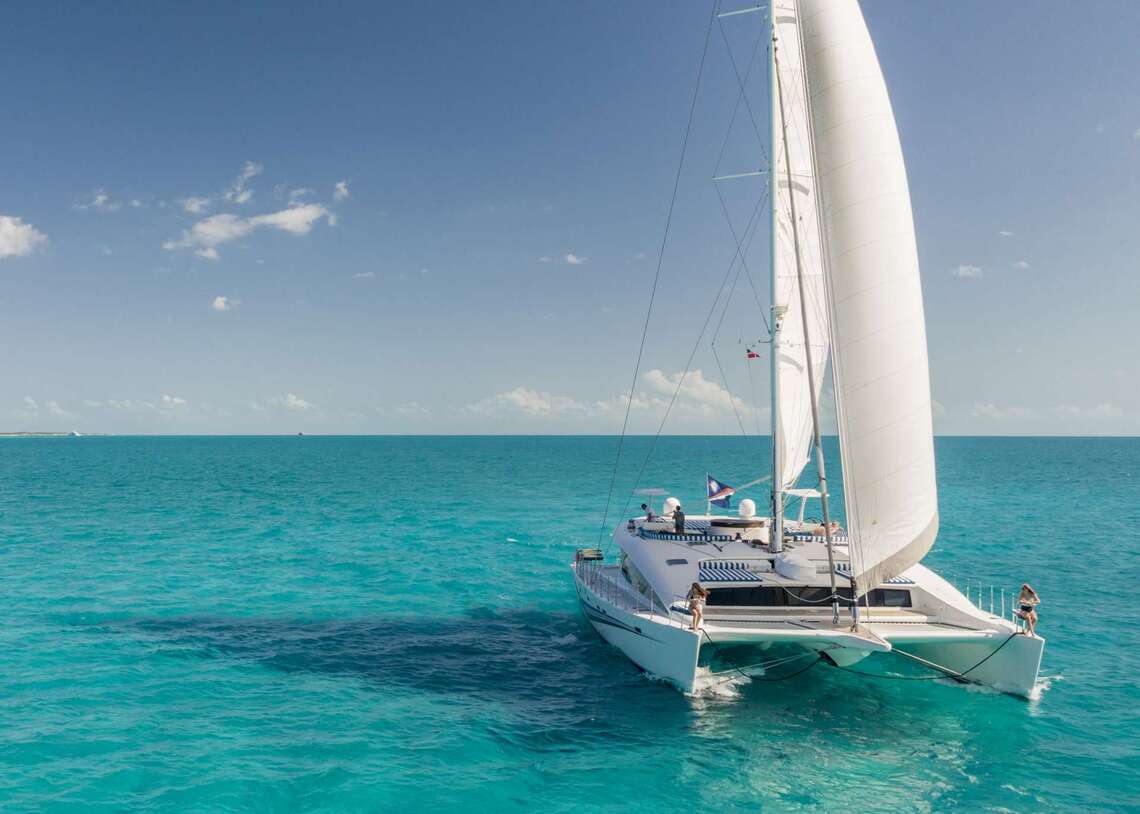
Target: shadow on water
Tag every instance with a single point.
(559, 683)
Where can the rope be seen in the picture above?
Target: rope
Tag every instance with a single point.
(764, 665)
(657, 273)
(946, 671)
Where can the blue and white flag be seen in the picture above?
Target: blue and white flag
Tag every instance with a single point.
(720, 494)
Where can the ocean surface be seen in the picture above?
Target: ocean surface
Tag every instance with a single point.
(389, 624)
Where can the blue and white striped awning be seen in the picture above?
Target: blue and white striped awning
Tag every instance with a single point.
(844, 570)
(725, 571)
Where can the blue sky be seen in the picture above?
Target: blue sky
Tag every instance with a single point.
(444, 218)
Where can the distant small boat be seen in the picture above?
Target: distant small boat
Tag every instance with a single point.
(73, 434)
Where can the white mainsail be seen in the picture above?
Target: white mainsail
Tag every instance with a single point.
(790, 113)
(878, 334)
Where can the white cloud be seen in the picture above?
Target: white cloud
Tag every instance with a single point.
(412, 408)
(19, 239)
(195, 206)
(967, 271)
(31, 403)
(639, 256)
(54, 409)
(697, 396)
(222, 228)
(100, 201)
(92, 403)
(1021, 264)
(210, 254)
(364, 275)
(224, 304)
(340, 193)
(695, 390)
(572, 259)
(292, 402)
(239, 192)
(991, 410)
(170, 402)
(1099, 412)
(297, 220)
(136, 203)
(544, 259)
(1005, 233)
(1136, 134)
(530, 402)
(299, 194)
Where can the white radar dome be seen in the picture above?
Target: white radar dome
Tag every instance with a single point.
(747, 507)
(671, 503)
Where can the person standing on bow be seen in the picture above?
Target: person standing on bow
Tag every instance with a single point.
(678, 520)
(697, 596)
(1028, 601)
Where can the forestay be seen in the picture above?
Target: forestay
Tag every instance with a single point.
(791, 114)
(877, 328)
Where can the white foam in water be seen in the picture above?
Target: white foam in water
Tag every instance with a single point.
(511, 540)
(569, 638)
(717, 685)
(1040, 688)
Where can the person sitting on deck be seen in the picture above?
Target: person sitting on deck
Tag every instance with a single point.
(697, 596)
(1028, 601)
(821, 530)
(678, 520)
(649, 515)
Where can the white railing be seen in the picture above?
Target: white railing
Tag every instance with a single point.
(607, 582)
(982, 594)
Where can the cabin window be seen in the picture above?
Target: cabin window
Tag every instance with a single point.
(777, 597)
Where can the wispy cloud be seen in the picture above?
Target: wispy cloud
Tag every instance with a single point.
(239, 191)
(195, 206)
(364, 275)
(224, 304)
(1020, 264)
(696, 396)
(293, 402)
(1097, 413)
(205, 235)
(299, 194)
(100, 201)
(340, 192)
(1005, 233)
(991, 410)
(19, 239)
(966, 271)
(169, 402)
(572, 259)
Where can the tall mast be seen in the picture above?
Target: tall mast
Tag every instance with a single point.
(807, 339)
(776, 535)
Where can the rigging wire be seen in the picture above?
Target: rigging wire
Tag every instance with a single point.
(744, 81)
(688, 365)
(657, 273)
(741, 97)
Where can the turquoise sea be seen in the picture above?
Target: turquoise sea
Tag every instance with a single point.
(388, 624)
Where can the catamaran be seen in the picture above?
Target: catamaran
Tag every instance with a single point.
(845, 288)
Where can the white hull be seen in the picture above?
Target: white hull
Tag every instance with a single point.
(664, 651)
(995, 654)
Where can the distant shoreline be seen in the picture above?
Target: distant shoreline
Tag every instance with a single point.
(49, 434)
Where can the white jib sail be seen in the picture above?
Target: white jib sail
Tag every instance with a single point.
(877, 328)
(790, 112)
